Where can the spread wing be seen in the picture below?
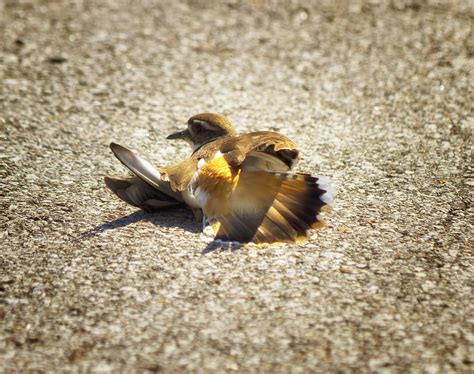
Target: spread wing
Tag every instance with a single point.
(259, 206)
(262, 150)
(169, 179)
(142, 169)
(137, 192)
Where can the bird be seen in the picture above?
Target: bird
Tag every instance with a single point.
(243, 187)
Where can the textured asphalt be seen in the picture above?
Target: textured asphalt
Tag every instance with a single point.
(377, 94)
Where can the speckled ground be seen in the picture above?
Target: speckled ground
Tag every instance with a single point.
(377, 94)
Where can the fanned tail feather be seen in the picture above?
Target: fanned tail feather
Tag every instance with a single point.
(268, 207)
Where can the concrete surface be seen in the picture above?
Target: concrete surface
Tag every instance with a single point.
(377, 94)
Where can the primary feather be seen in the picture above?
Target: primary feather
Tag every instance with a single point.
(259, 206)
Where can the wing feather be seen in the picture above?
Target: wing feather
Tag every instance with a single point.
(136, 192)
(259, 206)
(236, 149)
(180, 175)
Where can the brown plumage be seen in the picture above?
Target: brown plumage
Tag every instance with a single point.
(203, 128)
(237, 148)
(259, 206)
(138, 193)
(243, 184)
(205, 133)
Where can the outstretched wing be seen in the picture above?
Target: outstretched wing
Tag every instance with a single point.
(136, 192)
(258, 206)
(179, 175)
(262, 150)
(145, 171)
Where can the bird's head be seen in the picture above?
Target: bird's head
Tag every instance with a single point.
(203, 128)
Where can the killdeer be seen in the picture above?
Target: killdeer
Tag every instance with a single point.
(242, 185)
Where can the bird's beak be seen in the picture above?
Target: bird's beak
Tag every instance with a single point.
(179, 135)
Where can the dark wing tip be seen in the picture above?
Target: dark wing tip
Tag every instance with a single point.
(115, 148)
(109, 182)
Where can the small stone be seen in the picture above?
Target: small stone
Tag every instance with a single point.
(346, 269)
(57, 60)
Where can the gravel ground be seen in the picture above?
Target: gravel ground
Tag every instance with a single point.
(378, 95)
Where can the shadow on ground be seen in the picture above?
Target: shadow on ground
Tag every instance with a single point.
(162, 219)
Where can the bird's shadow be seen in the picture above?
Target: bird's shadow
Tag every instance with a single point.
(163, 219)
(220, 246)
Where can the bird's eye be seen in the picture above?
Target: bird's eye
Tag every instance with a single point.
(197, 128)
(200, 126)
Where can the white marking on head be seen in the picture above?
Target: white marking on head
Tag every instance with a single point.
(218, 154)
(205, 125)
